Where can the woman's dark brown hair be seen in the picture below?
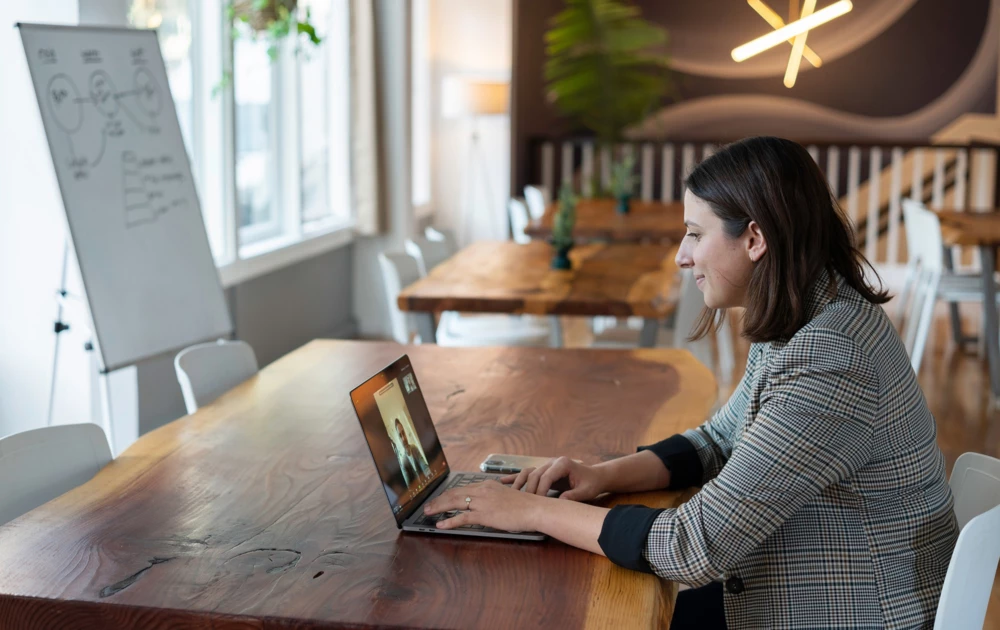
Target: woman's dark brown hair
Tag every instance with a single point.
(775, 183)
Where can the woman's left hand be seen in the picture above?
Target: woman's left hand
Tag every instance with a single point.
(492, 505)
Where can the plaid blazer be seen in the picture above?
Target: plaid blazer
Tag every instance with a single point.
(824, 502)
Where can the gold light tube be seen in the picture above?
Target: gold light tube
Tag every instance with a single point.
(792, 71)
(772, 39)
(776, 22)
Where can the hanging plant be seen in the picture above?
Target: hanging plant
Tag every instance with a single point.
(272, 20)
(606, 66)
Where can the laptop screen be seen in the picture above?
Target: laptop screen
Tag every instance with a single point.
(400, 435)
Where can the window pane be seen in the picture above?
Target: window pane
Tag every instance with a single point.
(314, 118)
(172, 19)
(255, 157)
(324, 103)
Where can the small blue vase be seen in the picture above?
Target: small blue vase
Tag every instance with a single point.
(622, 206)
(561, 259)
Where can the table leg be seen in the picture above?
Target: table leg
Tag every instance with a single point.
(556, 336)
(991, 334)
(647, 338)
(956, 318)
(425, 327)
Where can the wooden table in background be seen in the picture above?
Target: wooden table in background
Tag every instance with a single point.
(982, 230)
(596, 219)
(264, 509)
(614, 279)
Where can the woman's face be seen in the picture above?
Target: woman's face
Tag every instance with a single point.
(721, 265)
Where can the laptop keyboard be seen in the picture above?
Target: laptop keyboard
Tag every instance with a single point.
(458, 482)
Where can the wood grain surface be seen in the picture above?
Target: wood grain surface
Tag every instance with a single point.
(264, 509)
(596, 219)
(970, 228)
(507, 277)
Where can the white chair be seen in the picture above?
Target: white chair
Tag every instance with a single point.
(519, 220)
(39, 465)
(690, 304)
(923, 232)
(207, 370)
(428, 252)
(537, 198)
(441, 234)
(965, 596)
(400, 270)
(952, 287)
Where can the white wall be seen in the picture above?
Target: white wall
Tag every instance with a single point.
(32, 239)
(470, 37)
(31, 245)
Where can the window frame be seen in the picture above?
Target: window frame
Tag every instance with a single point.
(247, 252)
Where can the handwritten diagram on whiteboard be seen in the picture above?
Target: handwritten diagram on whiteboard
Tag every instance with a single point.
(105, 113)
(127, 189)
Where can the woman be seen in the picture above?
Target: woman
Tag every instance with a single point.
(823, 498)
(411, 460)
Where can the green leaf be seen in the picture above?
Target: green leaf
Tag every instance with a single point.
(308, 29)
(260, 5)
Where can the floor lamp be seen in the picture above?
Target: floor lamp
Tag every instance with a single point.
(464, 97)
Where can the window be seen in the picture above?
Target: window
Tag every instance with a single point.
(172, 20)
(271, 155)
(256, 154)
(324, 118)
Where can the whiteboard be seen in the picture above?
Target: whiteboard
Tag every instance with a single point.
(126, 184)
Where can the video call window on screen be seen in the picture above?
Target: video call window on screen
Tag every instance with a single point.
(399, 432)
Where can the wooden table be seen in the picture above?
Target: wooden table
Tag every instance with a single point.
(615, 279)
(982, 230)
(264, 510)
(596, 219)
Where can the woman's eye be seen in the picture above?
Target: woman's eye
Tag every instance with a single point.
(692, 234)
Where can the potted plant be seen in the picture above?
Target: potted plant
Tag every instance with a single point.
(273, 20)
(623, 182)
(562, 228)
(606, 67)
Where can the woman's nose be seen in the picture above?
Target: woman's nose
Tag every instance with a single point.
(683, 258)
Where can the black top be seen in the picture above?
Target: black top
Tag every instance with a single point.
(623, 535)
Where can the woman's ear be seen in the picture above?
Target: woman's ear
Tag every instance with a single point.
(756, 244)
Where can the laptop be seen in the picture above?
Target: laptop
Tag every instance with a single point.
(408, 455)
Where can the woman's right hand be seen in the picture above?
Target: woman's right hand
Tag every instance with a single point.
(585, 482)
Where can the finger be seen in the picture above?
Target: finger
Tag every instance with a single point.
(522, 478)
(552, 475)
(532, 485)
(508, 479)
(446, 501)
(464, 518)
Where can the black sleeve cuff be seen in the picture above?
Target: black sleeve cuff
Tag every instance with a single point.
(680, 458)
(624, 533)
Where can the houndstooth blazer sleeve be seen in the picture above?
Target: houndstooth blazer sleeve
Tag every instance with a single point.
(696, 456)
(814, 428)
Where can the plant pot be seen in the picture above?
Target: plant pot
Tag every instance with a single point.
(561, 258)
(622, 206)
(259, 19)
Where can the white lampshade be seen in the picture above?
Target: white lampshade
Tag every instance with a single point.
(463, 96)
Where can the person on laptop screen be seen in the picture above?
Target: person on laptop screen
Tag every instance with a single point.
(823, 501)
(411, 458)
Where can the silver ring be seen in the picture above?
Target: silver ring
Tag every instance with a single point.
(468, 503)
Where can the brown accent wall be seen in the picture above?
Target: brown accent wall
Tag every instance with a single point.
(909, 65)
